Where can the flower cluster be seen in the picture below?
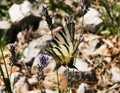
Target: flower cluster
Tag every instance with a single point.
(14, 57)
(43, 60)
(43, 63)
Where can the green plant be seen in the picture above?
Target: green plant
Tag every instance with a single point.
(6, 80)
(111, 17)
(4, 6)
(2, 38)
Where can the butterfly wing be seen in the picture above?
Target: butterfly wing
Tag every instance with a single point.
(62, 47)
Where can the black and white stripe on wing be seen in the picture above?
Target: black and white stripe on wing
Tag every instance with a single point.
(60, 38)
(71, 29)
(53, 54)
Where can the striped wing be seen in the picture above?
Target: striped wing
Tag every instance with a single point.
(63, 45)
(62, 53)
(65, 35)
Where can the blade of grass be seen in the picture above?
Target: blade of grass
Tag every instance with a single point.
(5, 80)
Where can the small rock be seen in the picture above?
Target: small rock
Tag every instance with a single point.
(19, 11)
(26, 7)
(44, 26)
(115, 73)
(19, 83)
(92, 45)
(82, 65)
(31, 52)
(82, 88)
(91, 20)
(4, 24)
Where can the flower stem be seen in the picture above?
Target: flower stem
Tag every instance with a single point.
(4, 61)
(5, 80)
(58, 81)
